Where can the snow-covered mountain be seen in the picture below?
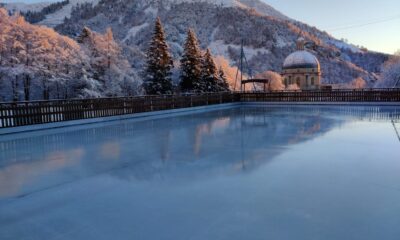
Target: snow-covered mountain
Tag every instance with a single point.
(269, 36)
(221, 25)
(54, 19)
(58, 17)
(256, 5)
(24, 7)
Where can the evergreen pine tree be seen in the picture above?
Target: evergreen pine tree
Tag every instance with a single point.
(209, 73)
(191, 64)
(222, 82)
(157, 75)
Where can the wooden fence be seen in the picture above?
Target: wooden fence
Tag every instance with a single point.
(39, 112)
(366, 95)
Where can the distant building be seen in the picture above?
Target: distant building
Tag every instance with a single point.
(302, 68)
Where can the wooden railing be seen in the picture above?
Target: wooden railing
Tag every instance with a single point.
(365, 95)
(39, 112)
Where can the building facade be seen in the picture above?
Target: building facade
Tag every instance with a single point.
(302, 68)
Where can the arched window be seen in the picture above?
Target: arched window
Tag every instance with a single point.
(312, 81)
(298, 81)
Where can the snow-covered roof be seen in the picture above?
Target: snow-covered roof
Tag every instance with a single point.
(301, 59)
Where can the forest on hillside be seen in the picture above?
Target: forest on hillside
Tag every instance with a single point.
(95, 54)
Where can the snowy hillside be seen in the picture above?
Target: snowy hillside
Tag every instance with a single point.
(256, 5)
(221, 26)
(24, 7)
(57, 18)
(52, 20)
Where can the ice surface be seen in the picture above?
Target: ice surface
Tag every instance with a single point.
(239, 173)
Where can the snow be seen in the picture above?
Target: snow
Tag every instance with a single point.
(238, 173)
(280, 39)
(300, 58)
(58, 63)
(282, 42)
(133, 31)
(58, 17)
(260, 6)
(151, 10)
(24, 7)
(344, 45)
(218, 47)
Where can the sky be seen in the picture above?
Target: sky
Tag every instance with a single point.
(374, 24)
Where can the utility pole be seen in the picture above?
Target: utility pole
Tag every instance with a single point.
(241, 66)
(243, 63)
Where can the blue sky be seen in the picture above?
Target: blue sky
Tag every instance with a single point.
(350, 19)
(370, 23)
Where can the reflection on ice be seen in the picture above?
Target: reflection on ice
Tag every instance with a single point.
(227, 165)
(15, 177)
(222, 140)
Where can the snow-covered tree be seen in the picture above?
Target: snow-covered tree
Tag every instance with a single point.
(358, 83)
(212, 78)
(35, 61)
(191, 63)
(38, 63)
(390, 73)
(157, 74)
(275, 80)
(109, 67)
(222, 81)
(209, 73)
(229, 72)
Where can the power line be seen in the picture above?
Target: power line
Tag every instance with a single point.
(359, 21)
(364, 24)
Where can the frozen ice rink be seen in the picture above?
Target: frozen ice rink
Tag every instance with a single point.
(236, 173)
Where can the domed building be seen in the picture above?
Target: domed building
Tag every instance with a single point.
(302, 68)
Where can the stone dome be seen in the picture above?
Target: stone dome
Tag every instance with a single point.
(301, 59)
